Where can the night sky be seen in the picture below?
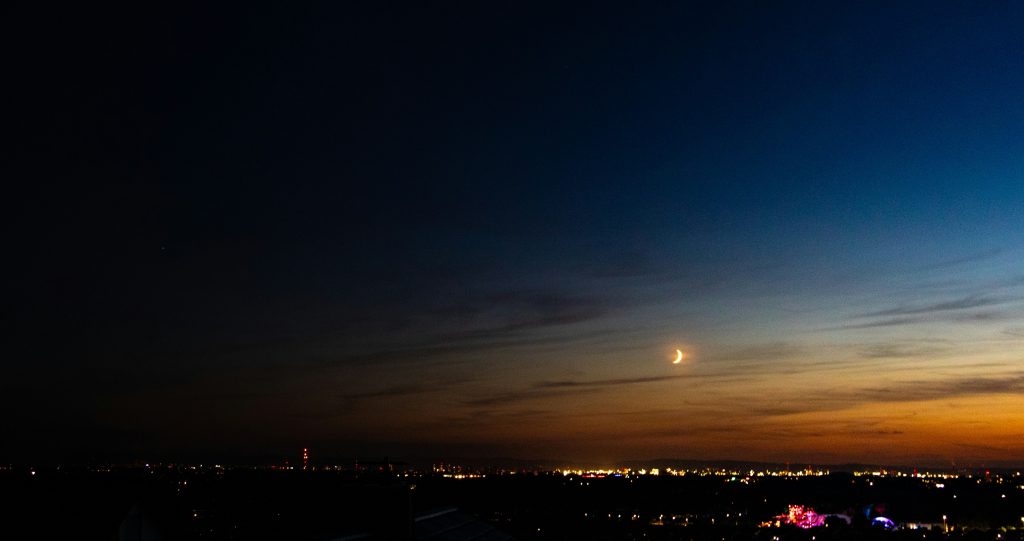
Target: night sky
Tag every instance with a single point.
(483, 229)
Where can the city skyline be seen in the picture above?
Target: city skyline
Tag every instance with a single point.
(486, 231)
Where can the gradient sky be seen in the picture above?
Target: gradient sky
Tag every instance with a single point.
(483, 229)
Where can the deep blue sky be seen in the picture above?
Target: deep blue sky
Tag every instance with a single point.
(485, 229)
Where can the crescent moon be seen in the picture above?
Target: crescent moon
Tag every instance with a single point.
(679, 357)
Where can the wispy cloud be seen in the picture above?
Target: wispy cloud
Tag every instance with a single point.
(395, 390)
(874, 432)
(944, 306)
(519, 310)
(979, 447)
(490, 416)
(978, 317)
(890, 322)
(838, 399)
(757, 352)
(962, 309)
(1014, 331)
(524, 395)
(348, 402)
(970, 258)
(902, 351)
(548, 389)
(631, 264)
(450, 346)
(901, 391)
(911, 391)
(615, 382)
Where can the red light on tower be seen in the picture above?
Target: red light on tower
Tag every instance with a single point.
(305, 459)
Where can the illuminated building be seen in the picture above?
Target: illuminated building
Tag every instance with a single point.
(803, 517)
